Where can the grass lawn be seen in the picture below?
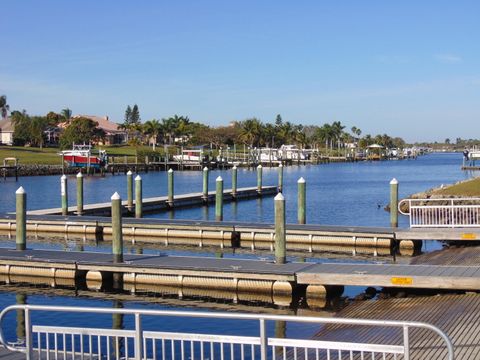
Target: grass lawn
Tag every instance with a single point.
(49, 156)
(469, 188)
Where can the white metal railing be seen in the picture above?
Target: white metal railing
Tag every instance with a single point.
(446, 213)
(45, 342)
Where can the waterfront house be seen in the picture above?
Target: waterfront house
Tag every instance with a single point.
(114, 135)
(6, 132)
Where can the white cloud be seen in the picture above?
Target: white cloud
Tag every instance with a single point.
(448, 58)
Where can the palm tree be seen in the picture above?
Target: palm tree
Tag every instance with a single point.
(66, 113)
(152, 129)
(4, 108)
(250, 131)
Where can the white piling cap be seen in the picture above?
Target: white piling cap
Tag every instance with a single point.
(205, 168)
(79, 175)
(279, 197)
(280, 165)
(64, 177)
(170, 170)
(20, 190)
(301, 180)
(234, 167)
(115, 196)
(129, 172)
(259, 166)
(219, 179)
(394, 182)
(138, 177)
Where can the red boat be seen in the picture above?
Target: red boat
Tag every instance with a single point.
(81, 156)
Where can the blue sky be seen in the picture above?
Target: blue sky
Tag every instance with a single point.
(406, 68)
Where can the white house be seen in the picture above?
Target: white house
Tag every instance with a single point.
(6, 132)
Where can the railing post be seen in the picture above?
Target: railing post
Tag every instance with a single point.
(406, 343)
(28, 335)
(21, 219)
(64, 194)
(138, 337)
(394, 203)
(263, 340)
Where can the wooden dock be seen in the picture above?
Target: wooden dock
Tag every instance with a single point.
(457, 315)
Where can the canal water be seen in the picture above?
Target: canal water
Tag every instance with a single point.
(337, 194)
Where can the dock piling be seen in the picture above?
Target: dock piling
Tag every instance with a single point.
(64, 194)
(280, 233)
(170, 188)
(205, 185)
(280, 177)
(21, 219)
(219, 199)
(302, 200)
(234, 182)
(394, 202)
(129, 190)
(259, 179)
(79, 193)
(117, 237)
(138, 197)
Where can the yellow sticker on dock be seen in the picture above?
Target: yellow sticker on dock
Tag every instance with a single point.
(469, 236)
(402, 280)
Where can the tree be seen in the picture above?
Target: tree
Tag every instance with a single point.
(250, 131)
(128, 115)
(53, 118)
(4, 108)
(135, 115)
(447, 141)
(278, 120)
(21, 125)
(38, 125)
(152, 129)
(81, 130)
(66, 113)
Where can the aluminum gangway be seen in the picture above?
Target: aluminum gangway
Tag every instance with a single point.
(137, 342)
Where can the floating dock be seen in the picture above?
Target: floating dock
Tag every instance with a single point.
(160, 203)
(235, 276)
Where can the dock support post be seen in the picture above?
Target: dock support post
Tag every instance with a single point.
(21, 218)
(234, 182)
(219, 199)
(394, 202)
(170, 188)
(259, 179)
(280, 177)
(64, 194)
(79, 193)
(129, 190)
(280, 235)
(138, 197)
(117, 237)
(205, 185)
(302, 200)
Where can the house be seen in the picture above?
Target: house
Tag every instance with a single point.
(114, 135)
(6, 132)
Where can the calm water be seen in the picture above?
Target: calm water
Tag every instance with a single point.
(338, 194)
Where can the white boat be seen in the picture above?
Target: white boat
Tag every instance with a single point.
(291, 152)
(189, 156)
(82, 156)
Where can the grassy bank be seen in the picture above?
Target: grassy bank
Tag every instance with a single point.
(469, 188)
(49, 156)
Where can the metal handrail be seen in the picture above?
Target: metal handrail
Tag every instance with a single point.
(452, 202)
(139, 334)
